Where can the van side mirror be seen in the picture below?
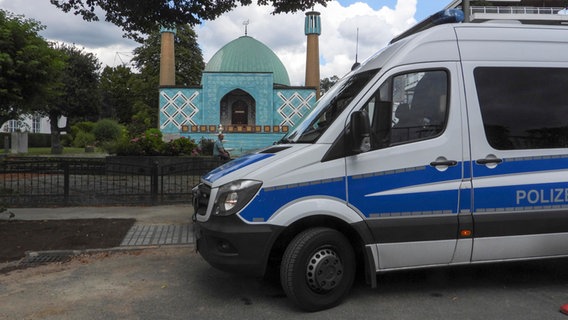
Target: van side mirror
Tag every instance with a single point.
(360, 132)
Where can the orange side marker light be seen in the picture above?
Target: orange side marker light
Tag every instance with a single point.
(465, 233)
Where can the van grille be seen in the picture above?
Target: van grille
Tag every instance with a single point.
(201, 197)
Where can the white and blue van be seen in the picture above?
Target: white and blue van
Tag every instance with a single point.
(447, 147)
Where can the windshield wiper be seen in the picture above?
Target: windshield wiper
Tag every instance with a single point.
(311, 135)
(284, 140)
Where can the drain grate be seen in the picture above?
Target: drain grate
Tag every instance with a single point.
(139, 235)
(38, 258)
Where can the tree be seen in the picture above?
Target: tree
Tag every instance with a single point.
(27, 66)
(138, 17)
(128, 98)
(78, 95)
(327, 83)
(118, 93)
(189, 66)
(188, 57)
(132, 98)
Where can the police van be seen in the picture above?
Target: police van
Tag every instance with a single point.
(447, 147)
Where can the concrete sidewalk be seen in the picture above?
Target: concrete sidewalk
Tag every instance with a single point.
(158, 235)
(170, 214)
(154, 226)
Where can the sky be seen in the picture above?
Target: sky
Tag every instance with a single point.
(378, 21)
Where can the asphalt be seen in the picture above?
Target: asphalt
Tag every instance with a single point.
(155, 226)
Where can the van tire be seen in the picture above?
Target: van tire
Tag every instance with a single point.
(318, 269)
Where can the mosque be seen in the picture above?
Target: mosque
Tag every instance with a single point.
(245, 93)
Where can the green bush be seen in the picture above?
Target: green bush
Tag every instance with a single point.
(86, 126)
(107, 130)
(123, 147)
(181, 146)
(83, 139)
(151, 144)
(148, 144)
(154, 138)
(66, 140)
(70, 139)
(144, 118)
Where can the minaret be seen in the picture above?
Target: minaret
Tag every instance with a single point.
(167, 58)
(313, 30)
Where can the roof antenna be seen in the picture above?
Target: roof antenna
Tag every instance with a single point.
(246, 23)
(356, 64)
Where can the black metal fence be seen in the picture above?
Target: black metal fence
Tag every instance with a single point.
(32, 182)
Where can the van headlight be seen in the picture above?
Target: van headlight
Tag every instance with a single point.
(233, 196)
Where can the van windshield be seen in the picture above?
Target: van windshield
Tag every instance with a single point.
(328, 108)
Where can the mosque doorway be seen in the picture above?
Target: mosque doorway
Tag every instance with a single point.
(238, 108)
(239, 112)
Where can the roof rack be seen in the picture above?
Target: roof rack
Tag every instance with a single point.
(438, 18)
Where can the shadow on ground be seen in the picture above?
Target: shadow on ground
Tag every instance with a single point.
(19, 236)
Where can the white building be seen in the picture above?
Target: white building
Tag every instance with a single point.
(32, 124)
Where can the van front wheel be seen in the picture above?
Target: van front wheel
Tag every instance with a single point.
(318, 269)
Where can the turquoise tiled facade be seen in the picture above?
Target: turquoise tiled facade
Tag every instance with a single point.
(245, 92)
(197, 112)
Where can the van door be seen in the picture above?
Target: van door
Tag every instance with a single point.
(519, 149)
(408, 185)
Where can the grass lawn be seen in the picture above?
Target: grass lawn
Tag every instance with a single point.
(66, 150)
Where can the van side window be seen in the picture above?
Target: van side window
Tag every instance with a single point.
(409, 107)
(523, 108)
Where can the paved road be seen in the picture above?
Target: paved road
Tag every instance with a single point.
(175, 283)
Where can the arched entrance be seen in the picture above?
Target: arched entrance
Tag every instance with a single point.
(237, 108)
(239, 112)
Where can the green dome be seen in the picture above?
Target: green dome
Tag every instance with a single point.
(245, 54)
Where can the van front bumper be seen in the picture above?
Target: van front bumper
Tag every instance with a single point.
(229, 244)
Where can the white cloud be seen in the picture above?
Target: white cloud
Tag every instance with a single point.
(284, 33)
(99, 37)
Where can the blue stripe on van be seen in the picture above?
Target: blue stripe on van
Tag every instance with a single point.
(269, 200)
(412, 203)
(544, 196)
(522, 165)
(362, 188)
(526, 197)
(465, 200)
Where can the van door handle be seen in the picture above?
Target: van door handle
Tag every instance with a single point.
(449, 163)
(489, 161)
